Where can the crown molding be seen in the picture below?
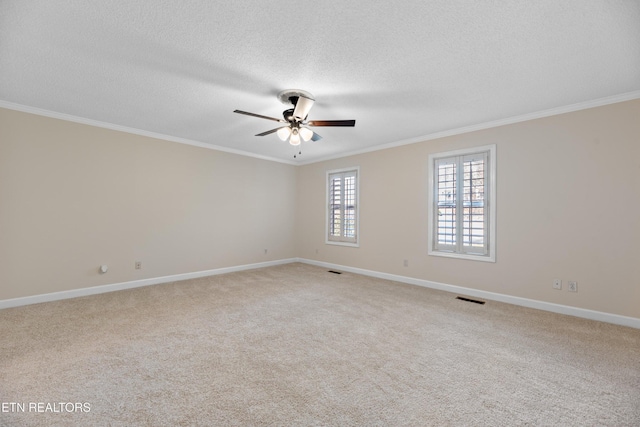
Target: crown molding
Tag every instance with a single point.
(437, 135)
(629, 96)
(119, 128)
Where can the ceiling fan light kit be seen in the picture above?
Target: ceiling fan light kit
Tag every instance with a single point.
(296, 129)
(294, 139)
(306, 134)
(284, 133)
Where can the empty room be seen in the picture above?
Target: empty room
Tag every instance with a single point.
(419, 213)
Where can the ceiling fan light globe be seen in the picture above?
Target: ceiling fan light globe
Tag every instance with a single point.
(306, 134)
(283, 133)
(295, 139)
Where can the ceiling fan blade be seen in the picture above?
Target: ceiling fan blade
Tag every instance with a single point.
(303, 106)
(259, 116)
(316, 137)
(332, 123)
(269, 132)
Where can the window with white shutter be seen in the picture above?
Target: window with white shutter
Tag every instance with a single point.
(342, 213)
(462, 204)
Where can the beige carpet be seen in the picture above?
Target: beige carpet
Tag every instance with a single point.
(295, 345)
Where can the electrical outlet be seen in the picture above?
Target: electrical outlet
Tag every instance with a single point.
(138, 265)
(265, 251)
(573, 286)
(557, 284)
(406, 263)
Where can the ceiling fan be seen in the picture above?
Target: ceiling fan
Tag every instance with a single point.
(296, 128)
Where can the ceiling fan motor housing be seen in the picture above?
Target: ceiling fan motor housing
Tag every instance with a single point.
(302, 102)
(288, 115)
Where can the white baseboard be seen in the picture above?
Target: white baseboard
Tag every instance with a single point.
(524, 302)
(74, 293)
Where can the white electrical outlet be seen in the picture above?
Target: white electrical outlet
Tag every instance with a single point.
(138, 265)
(573, 286)
(557, 284)
(406, 263)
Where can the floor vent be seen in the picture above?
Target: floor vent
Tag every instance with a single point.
(334, 272)
(470, 300)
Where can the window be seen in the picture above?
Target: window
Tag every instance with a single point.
(342, 213)
(462, 203)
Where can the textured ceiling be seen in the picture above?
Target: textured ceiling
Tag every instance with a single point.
(404, 70)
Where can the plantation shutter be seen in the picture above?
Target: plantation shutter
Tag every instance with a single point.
(474, 214)
(461, 215)
(446, 204)
(342, 206)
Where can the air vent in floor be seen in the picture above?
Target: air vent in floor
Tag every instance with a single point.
(470, 300)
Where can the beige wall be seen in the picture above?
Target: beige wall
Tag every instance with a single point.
(568, 201)
(73, 197)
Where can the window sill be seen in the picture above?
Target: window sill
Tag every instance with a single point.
(483, 258)
(337, 243)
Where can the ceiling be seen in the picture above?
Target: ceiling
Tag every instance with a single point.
(405, 70)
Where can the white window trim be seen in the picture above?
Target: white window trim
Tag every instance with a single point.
(355, 244)
(491, 202)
